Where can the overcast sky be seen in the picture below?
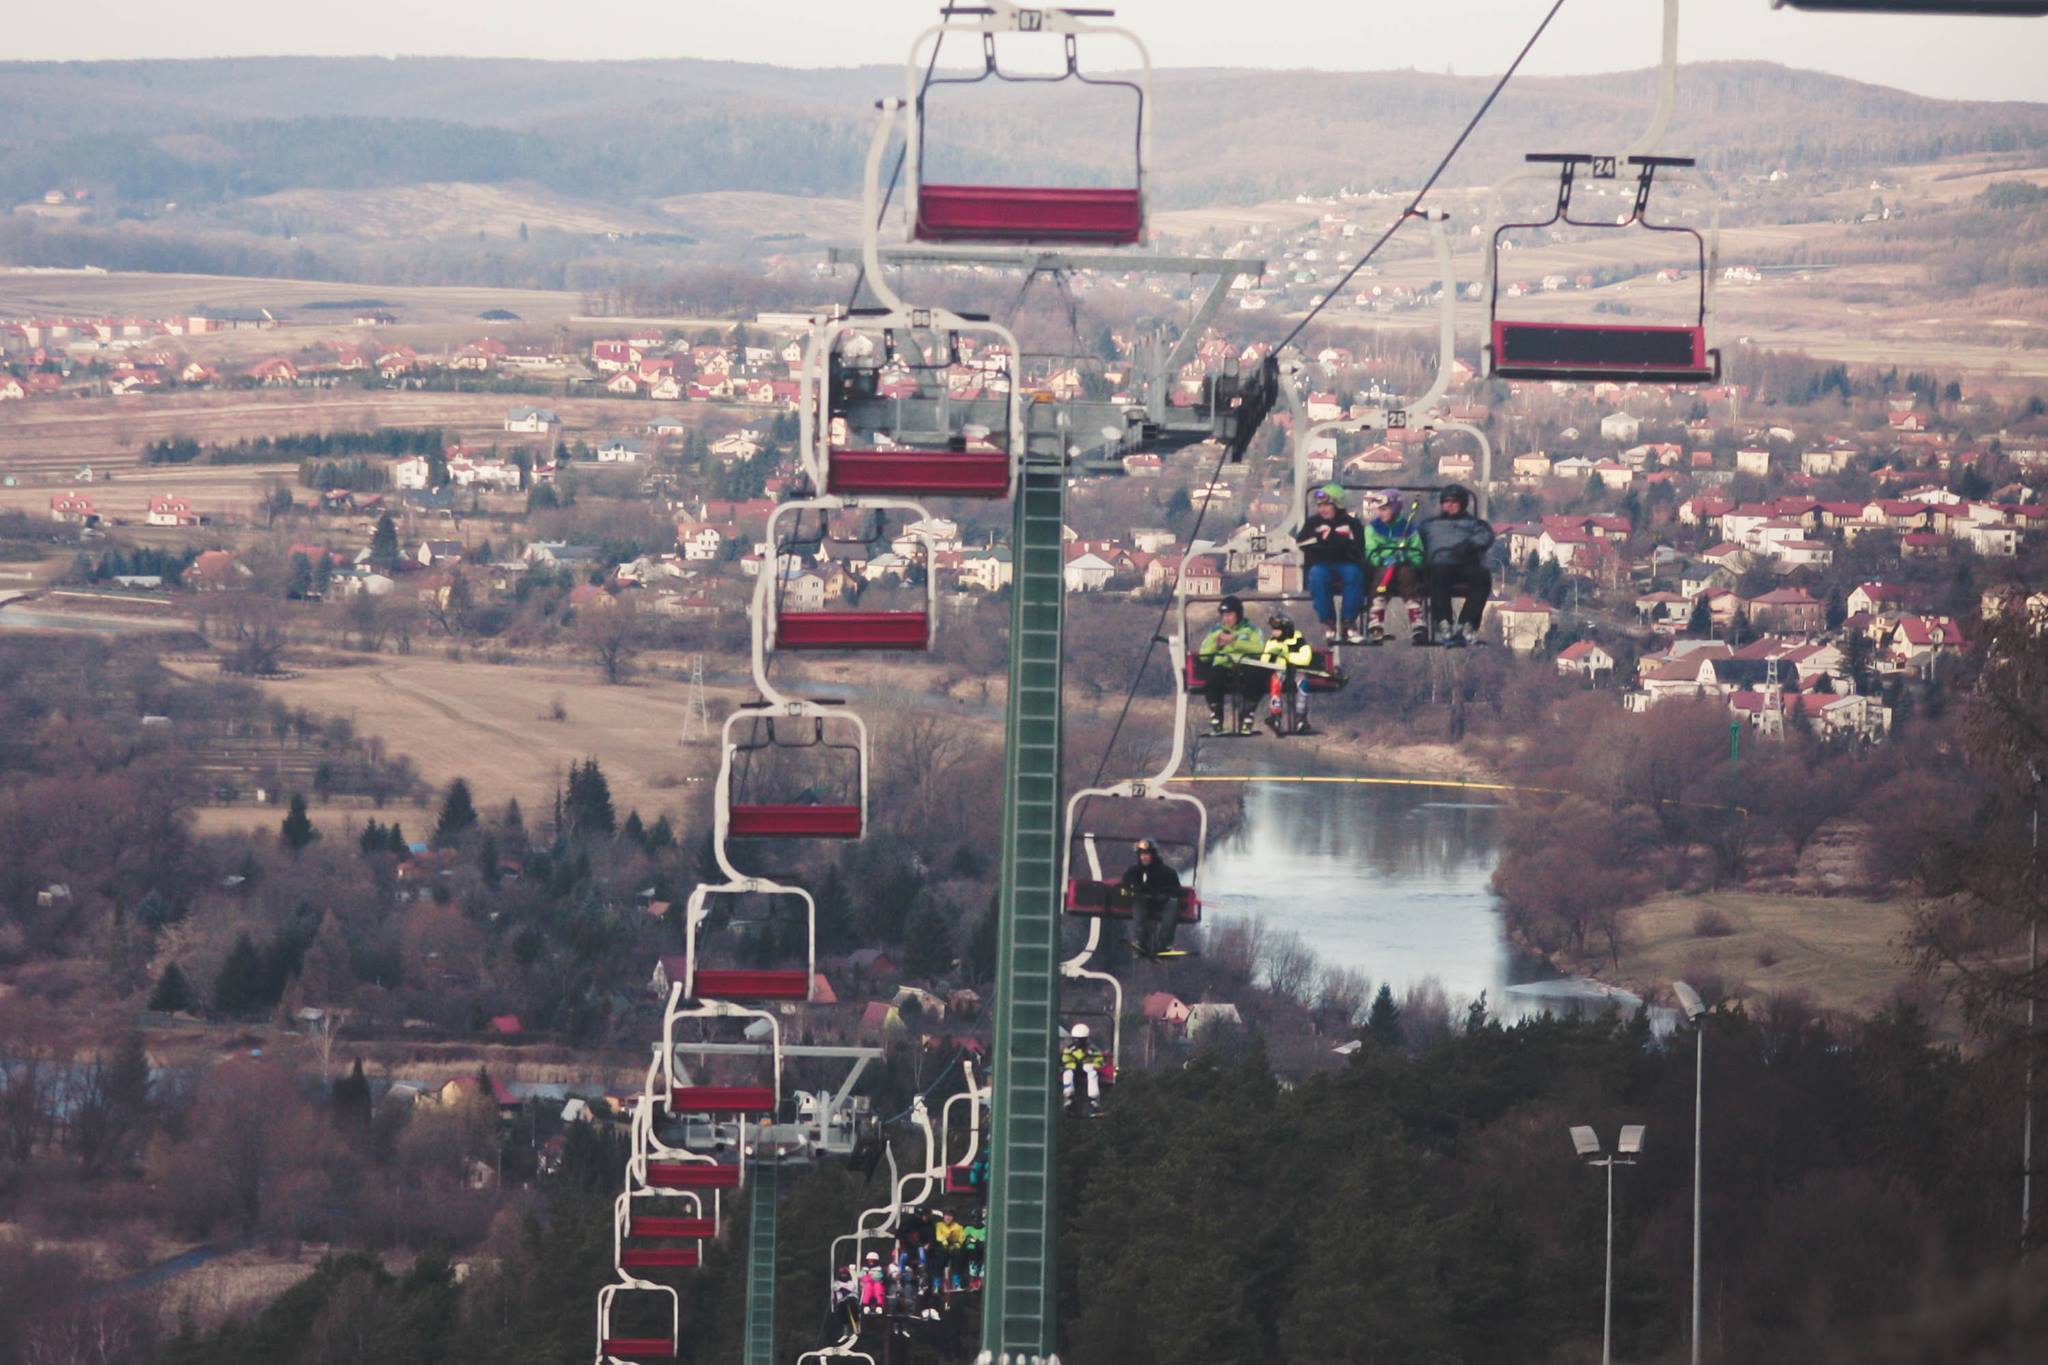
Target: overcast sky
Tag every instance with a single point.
(1981, 58)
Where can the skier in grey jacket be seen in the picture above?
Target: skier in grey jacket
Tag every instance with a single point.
(1454, 547)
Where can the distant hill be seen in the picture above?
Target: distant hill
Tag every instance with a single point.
(630, 133)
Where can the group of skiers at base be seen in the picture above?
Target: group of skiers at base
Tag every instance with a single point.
(935, 1257)
(1393, 553)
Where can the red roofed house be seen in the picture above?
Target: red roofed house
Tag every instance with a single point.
(1524, 623)
(73, 507)
(1787, 609)
(168, 509)
(1585, 659)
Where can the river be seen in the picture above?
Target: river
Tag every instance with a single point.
(1391, 882)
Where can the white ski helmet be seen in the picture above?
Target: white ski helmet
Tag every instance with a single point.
(1080, 1033)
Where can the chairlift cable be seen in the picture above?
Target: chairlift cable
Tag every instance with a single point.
(1413, 209)
(860, 276)
(1415, 204)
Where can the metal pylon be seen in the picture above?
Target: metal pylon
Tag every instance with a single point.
(760, 1327)
(1018, 1302)
(696, 715)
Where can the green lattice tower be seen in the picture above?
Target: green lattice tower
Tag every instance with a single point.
(1019, 1286)
(760, 1328)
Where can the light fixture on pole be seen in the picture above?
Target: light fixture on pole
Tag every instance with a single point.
(1587, 1143)
(1695, 1010)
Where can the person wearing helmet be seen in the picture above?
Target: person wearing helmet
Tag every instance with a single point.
(1329, 544)
(948, 1240)
(1289, 655)
(1455, 543)
(1081, 1060)
(842, 1322)
(1228, 659)
(1393, 567)
(1152, 889)
(872, 1282)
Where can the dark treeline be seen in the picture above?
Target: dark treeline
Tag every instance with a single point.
(1418, 1204)
(310, 444)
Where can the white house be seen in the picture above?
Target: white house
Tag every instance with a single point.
(1620, 427)
(1088, 572)
(410, 473)
(538, 421)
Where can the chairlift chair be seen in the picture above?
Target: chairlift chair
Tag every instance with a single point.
(1104, 824)
(1633, 353)
(965, 467)
(744, 901)
(743, 810)
(1076, 968)
(614, 1347)
(827, 629)
(2001, 9)
(1018, 213)
(644, 1240)
(683, 1097)
(956, 1181)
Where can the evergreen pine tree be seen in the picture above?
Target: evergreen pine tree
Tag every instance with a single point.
(372, 838)
(927, 943)
(384, 544)
(352, 1099)
(239, 987)
(173, 994)
(458, 815)
(661, 835)
(633, 829)
(297, 831)
(487, 859)
(1383, 1020)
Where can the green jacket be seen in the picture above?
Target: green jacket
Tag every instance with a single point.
(1391, 543)
(1246, 642)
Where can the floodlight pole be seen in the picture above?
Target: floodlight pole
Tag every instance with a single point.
(1607, 1312)
(2033, 991)
(1699, 1091)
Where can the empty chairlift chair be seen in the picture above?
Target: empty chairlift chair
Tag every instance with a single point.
(750, 941)
(1097, 216)
(934, 384)
(818, 626)
(793, 769)
(648, 1227)
(1621, 352)
(645, 1339)
(750, 1039)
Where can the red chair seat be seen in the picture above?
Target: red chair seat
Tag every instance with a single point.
(731, 983)
(657, 1258)
(958, 1183)
(959, 474)
(670, 1225)
(1086, 897)
(1023, 213)
(692, 1175)
(1603, 351)
(638, 1348)
(852, 630)
(794, 822)
(722, 1099)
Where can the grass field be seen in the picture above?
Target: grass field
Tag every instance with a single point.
(1842, 954)
(489, 724)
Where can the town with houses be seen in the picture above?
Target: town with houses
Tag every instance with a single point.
(1657, 545)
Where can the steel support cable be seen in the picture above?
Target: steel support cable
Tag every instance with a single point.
(1415, 204)
(1413, 209)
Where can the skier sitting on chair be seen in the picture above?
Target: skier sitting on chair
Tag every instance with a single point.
(1329, 543)
(1455, 543)
(1153, 891)
(1288, 653)
(1224, 653)
(1080, 1058)
(1393, 567)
